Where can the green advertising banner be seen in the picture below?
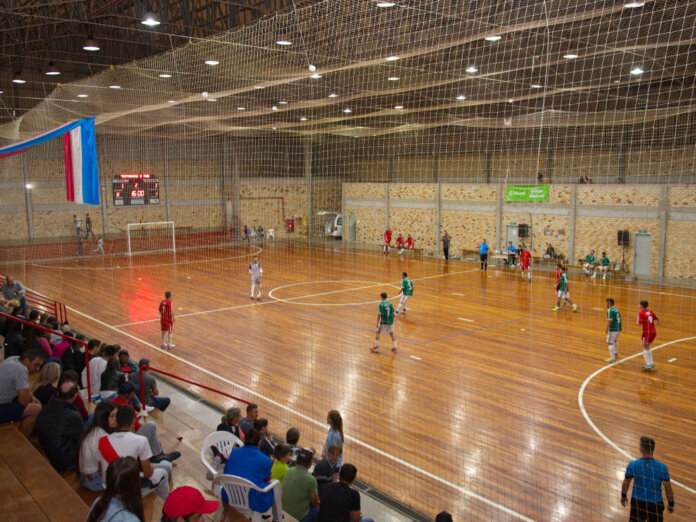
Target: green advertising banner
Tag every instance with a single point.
(527, 193)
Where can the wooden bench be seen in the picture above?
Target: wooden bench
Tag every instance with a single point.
(32, 489)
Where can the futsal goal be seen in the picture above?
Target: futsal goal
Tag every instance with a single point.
(151, 237)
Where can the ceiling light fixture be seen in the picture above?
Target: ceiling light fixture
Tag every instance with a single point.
(493, 38)
(18, 78)
(212, 99)
(461, 97)
(114, 86)
(347, 110)
(259, 87)
(91, 44)
(391, 58)
(633, 5)
(283, 41)
(471, 69)
(211, 62)
(393, 78)
(29, 186)
(274, 108)
(165, 75)
(316, 76)
(150, 19)
(536, 86)
(241, 108)
(398, 107)
(637, 71)
(303, 118)
(204, 94)
(312, 67)
(385, 4)
(510, 100)
(52, 69)
(171, 101)
(333, 95)
(570, 56)
(83, 95)
(283, 102)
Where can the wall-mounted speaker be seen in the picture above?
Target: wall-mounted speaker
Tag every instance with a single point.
(523, 230)
(623, 238)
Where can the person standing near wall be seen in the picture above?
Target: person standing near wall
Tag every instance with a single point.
(88, 225)
(166, 320)
(483, 253)
(445, 244)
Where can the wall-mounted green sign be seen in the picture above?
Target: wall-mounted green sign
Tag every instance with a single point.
(527, 193)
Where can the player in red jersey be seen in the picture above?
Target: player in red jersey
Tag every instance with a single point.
(387, 240)
(647, 319)
(559, 273)
(409, 242)
(525, 260)
(400, 243)
(166, 319)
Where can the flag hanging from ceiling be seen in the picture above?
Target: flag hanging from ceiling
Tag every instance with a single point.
(80, 152)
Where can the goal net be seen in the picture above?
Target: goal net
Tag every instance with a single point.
(151, 237)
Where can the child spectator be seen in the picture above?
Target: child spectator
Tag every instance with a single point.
(280, 464)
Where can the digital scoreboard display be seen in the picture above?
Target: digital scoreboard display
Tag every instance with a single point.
(135, 189)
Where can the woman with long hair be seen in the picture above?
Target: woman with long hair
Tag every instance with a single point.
(103, 423)
(335, 434)
(111, 378)
(121, 501)
(46, 385)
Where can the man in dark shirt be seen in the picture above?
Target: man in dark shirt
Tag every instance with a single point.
(246, 423)
(324, 470)
(340, 502)
(59, 428)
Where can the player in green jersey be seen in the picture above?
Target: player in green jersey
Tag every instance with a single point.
(590, 262)
(613, 329)
(385, 322)
(406, 292)
(603, 266)
(562, 293)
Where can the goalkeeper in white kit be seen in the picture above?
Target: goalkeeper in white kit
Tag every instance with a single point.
(255, 272)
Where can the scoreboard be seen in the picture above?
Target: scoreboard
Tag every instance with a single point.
(135, 189)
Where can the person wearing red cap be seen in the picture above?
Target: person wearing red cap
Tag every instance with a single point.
(186, 504)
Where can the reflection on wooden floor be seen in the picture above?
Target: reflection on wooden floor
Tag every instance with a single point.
(478, 413)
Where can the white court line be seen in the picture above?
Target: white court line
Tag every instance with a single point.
(321, 424)
(455, 293)
(298, 297)
(416, 358)
(597, 430)
(600, 309)
(672, 359)
(465, 319)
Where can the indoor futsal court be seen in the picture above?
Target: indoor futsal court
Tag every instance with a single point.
(347, 145)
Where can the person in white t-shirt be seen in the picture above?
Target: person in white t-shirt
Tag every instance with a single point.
(97, 366)
(103, 422)
(124, 443)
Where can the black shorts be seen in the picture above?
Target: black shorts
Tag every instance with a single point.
(650, 511)
(484, 258)
(12, 411)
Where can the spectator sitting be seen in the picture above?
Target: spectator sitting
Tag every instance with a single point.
(400, 241)
(111, 379)
(74, 356)
(33, 340)
(409, 242)
(246, 423)
(59, 427)
(584, 179)
(126, 394)
(71, 376)
(249, 463)
(443, 516)
(230, 423)
(184, 503)
(59, 348)
(292, 437)
(325, 471)
(97, 366)
(33, 316)
(127, 366)
(152, 397)
(300, 496)
(124, 443)
(267, 447)
(13, 339)
(103, 423)
(47, 383)
(121, 501)
(53, 337)
(340, 502)
(550, 252)
(43, 320)
(16, 401)
(512, 253)
(280, 464)
(335, 434)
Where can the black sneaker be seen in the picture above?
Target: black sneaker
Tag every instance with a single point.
(165, 456)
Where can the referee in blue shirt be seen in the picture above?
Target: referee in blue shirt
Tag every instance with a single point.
(648, 475)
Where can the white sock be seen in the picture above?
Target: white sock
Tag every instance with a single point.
(394, 343)
(252, 289)
(170, 337)
(376, 343)
(613, 351)
(163, 337)
(647, 355)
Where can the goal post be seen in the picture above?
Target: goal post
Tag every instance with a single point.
(149, 237)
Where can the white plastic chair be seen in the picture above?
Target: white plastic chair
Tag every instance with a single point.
(238, 488)
(270, 233)
(224, 441)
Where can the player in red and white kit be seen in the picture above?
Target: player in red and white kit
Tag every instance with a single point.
(166, 319)
(409, 242)
(387, 240)
(525, 260)
(647, 319)
(400, 243)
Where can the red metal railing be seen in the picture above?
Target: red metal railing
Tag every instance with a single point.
(37, 301)
(61, 334)
(187, 381)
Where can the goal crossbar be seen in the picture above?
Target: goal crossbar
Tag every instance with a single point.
(146, 241)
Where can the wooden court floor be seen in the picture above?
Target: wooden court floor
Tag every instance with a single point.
(494, 408)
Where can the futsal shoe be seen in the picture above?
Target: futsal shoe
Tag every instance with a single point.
(394, 349)
(171, 346)
(575, 307)
(164, 346)
(396, 312)
(374, 349)
(611, 360)
(648, 367)
(555, 309)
